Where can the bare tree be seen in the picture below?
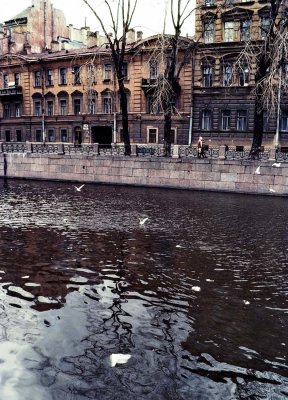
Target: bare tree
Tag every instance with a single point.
(121, 24)
(167, 88)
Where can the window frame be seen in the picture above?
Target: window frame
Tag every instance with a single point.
(241, 120)
(206, 120)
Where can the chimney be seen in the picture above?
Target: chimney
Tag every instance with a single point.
(131, 36)
(139, 35)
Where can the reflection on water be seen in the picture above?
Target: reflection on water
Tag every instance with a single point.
(197, 296)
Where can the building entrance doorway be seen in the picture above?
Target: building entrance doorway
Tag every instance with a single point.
(102, 135)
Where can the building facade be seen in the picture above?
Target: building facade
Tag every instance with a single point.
(224, 80)
(72, 96)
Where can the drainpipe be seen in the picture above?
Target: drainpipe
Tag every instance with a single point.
(278, 108)
(114, 127)
(192, 93)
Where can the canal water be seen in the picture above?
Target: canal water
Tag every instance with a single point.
(195, 300)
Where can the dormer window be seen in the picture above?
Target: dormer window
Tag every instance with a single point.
(265, 26)
(227, 74)
(153, 69)
(229, 28)
(208, 28)
(244, 30)
(244, 76)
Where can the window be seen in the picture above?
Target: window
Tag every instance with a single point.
(228, 31)
(225, 120)
(17, 78)
(244, 76)
(62, 76)
(38, 135)
(49, 77)
(244, 30)
(208, 32)
(37, 108)
(206, 120)
(152, 105)
(18, 135)
(76, 73)
(227, 75)
(5, 81)
(64, 135)
(17, 110)
(63, 106)
(208, 3)
(51, 137)
(265, 26)
(153, 69)
(50, 107)
(107, 105)
(37, 78)
(125, 70)
(92, 105)
(284, 121)
(152, 135)
(91, 74)
(107, 72)
(7, 136)
(207, 74)
(173, 135)
(6, 110)
(241, 120)
(77, 106)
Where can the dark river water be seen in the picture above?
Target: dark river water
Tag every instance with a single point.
(193, 304)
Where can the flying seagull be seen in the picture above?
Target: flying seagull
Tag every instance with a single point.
(258, 171)
(142, 220)
(276, 164)
(79, 188)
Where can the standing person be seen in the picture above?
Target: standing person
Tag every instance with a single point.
(200, 146)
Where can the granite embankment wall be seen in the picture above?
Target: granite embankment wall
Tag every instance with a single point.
(203, 174)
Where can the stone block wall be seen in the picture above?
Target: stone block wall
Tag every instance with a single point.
(203, 174)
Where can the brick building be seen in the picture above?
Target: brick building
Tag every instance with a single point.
(223, 100)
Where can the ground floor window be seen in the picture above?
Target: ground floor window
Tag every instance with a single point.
(225, 120)
(7, 136)
(51, 137)
(284, 121)
(38, 135)
(241, 120)
(173, 135)
(64, 135)
(206, 123)
(152, 135)
(18, 135)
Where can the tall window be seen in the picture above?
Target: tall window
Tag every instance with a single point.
(107, 72)
(152, 105)
(241, 120)
(62, 76)
(17, 110)
(208, 32)
(49, 77)
(18, 135)
(38, 135)
(64, 135)
(153, 69)
(6, 110)
(209, 3)
(50, 107)
(244, 75)
(37, 78)
(225, 120)
(244, 30)
(265, 121)
(107, 105)
(77, 106)
(207, 75)
(7, 136)
(17, 78)
(229, 31)
(125, 70)
(63, 106)
(227, 74)
(265, 26)
(37, 108)
(92, 105)
(284, 121)
(5, 81)
(173, 135)
(51, 137)
(152, 135)
(206, 120)
(76, 74)
(91, 74)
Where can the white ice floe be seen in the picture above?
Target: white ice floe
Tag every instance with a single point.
(196, 288)
(246, 302)
(119, 359)
(277, 165)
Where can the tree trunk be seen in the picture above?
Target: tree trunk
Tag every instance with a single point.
(125, 124)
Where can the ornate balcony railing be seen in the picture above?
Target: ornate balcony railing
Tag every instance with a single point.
(143, 150)
(81, 149)
(14, 147)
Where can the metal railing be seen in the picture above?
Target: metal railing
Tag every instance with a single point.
(141, 150)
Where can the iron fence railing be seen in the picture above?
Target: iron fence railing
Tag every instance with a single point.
(142, 150)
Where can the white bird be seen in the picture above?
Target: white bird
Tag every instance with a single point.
(257, 171)
(142, 220)
(246, 302)
(119, 359)
(196, 288)
(277, 165)
(79, 188)
(271, 190)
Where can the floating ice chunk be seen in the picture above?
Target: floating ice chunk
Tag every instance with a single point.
(209, 280)
(119, 359)
(21, 292)
(246, 302)
(196, 288)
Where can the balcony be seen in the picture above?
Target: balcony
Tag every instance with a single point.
(15, 91)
